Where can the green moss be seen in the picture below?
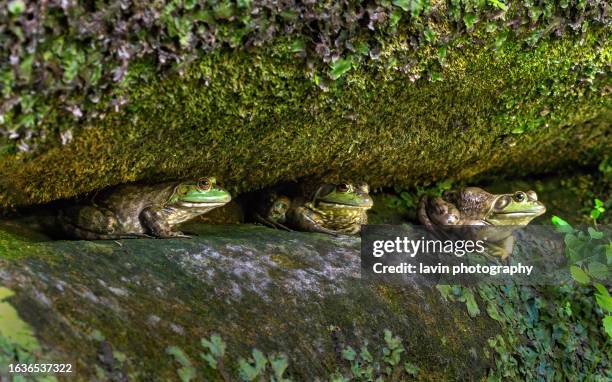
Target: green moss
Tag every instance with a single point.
(12, 328)
(257, 119)
(66, 65)
(17, 241)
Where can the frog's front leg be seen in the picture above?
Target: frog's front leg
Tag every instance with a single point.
(501, 249)
(422, 212)
(305, 220)
(507, 246)
(154, 221)
(354, 229)
(271, 223)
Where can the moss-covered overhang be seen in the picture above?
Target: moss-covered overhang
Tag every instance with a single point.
(437, 95)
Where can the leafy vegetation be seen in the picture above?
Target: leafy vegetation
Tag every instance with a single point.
(68, 61)
(389, 364)
(405, 198)
(590, 256)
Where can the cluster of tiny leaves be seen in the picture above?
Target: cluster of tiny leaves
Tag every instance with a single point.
(356, 365)
(556, 334)
(63, 60)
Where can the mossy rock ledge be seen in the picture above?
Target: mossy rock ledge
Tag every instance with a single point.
(113, 308)
(453, 90)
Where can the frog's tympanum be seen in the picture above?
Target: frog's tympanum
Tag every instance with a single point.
(473, 206)
(331, 209)
(137, 210)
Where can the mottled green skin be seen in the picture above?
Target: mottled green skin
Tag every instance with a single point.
(137, 210)
(331, 209)
(473, 206)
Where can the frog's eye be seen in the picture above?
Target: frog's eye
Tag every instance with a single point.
(520, 196)
(343, 187)
(204, 184)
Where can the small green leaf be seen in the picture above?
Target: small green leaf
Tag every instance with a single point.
(260, 360)
(499, 4)
(446, 291)
(212, 362)
(429, 34)
(417, 6)
(246, 371)
(365, 354)
(579, 275)
(340, 67)
(595, 234)
(470, 19)
(279, 364)
(436, 76)
(186, 374)
(216, 345)
(501, 39)
(411, 368)
(493, 312)
(179, 355)
(349, 353)
(96, 335)
(404, 4)
(297, 46)
(598, 270)
(607, 324)
(601, 289)
(470, 303)
(396, 15)
(605, 302)
(561, 225)
(16, 7)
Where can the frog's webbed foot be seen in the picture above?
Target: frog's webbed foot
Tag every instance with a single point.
(320, 229)
(502, 250)
(313, 226)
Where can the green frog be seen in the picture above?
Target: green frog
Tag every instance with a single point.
(474, 207)
(332, 209)
(137, 210)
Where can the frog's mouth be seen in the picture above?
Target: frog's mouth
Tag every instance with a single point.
(344, 205)
(200, 204)
(521, 214)
(515, 217)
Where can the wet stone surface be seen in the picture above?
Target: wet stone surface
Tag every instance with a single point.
(113, 307)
